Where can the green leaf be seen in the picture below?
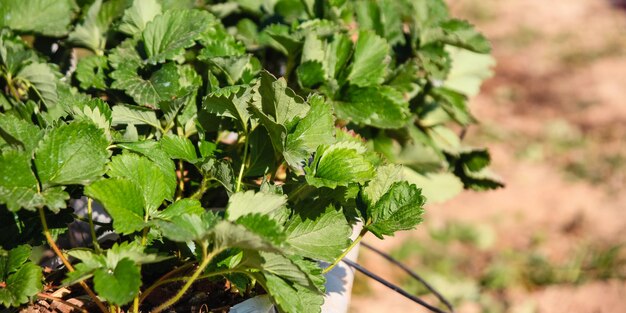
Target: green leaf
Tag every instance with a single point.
(369, 64)
(310, 74)
(72, 154)
(19, 132)
(187, 227)
(21, 285)
(120, 285)
(315, 129)
(41, 77)
(436, 187)
(92, 33)
(22, 277)
(276, 131)
(386, 176)
(339, 165)
(123, 114)
(152, 150)
(123, 199)
(382, 107)
(262, 157)
(178, 147)
(258, 232)
(146, 175)
(47, 17)
(457, 33)
(138, 15)
(398, 209)
(181, 207)
(90, 72)
(231, 102)
(293, 297)
(162, 85)
(167, 35)
(278, 101)
(282, 266)
(18, 185)
(249, 202)
(221, 171)
(322, 238)
(468, 71)
(12, 260)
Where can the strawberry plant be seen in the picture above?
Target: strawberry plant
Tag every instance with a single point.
(235, 144)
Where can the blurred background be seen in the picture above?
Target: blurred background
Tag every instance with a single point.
(554, 118)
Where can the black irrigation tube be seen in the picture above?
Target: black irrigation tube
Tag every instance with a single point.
(392, 286)
(413, 274)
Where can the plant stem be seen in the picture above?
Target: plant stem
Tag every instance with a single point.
(205, 262)
(345, 252)
(182, 278)
(92, 229)
(161, 280)
(68, 265)
(243, 164)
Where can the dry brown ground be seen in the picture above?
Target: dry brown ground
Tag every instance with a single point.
(559, 61)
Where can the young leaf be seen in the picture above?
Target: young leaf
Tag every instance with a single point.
(119, 285)
(369, 65)
(339, 165)
(398, 209)
(47, 17)
(249, 202)
(123, 200)
(138, 15)
(72, 154)
(167, 35)
(323, 238)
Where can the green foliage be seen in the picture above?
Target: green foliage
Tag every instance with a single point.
(245, 137)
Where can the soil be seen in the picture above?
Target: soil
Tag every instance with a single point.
(553, 117)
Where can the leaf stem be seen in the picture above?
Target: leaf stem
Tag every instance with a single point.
(181, 292)
(345, 252)
(92, 229)
(68, 265)
(243, 164)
